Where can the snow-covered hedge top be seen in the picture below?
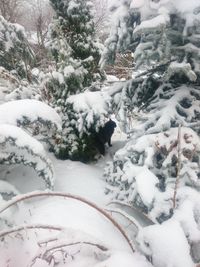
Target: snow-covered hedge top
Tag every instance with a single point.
(15, 111)
(21, 138)
(17, 147)
(90, 109)
(95, 101)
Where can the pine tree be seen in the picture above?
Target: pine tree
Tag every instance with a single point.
(76, 54)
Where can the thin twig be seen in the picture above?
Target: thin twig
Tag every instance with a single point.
(178, 167)
(44, 255)
(32, 226)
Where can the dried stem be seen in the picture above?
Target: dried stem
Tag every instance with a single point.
(178, 167)
(44, 255)
(73, 244)
(31, 226)
(65, 195)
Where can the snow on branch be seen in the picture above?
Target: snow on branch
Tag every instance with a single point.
(169, 108)
(152, 24)
(89, 106)
(146, 167)
(32, 115)
(17, 147)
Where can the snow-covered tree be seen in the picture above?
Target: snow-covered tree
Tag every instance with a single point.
(76, 53)
(15, 52)
(158, 170)
(74, 48)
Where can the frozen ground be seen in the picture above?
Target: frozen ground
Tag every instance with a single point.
(83, 222)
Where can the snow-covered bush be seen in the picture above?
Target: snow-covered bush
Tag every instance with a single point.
(17, 147)
(12, 88)
(148, 166)
(15, 52)
(36, 117)
(85, 113)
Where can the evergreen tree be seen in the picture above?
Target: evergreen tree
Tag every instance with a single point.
(165, 89)
(73, 47)
(76, 54)
(15, 52)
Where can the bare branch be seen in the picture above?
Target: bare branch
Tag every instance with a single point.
(178, 166)
(31, 226)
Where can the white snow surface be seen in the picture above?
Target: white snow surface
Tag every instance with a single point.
(90, 100)
(14, 111)
(22, 139)
(146, 185)
(166, 244)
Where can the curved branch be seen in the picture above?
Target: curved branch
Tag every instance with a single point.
(31, 226)
(66, 195)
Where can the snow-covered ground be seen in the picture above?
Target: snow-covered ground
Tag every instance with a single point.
(80, 221)
(65, 231)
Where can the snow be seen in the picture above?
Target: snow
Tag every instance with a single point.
(166, 244)
(185, 68)
(155, 23)
(19, 147)
(14, 111)
(21, 138)
(82, 223)
(90, 100)
(186, 6)
(146, 185)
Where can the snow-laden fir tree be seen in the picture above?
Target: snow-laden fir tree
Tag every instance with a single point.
(15, 52)
(76, 53)
(74, 48)
(165, 91)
